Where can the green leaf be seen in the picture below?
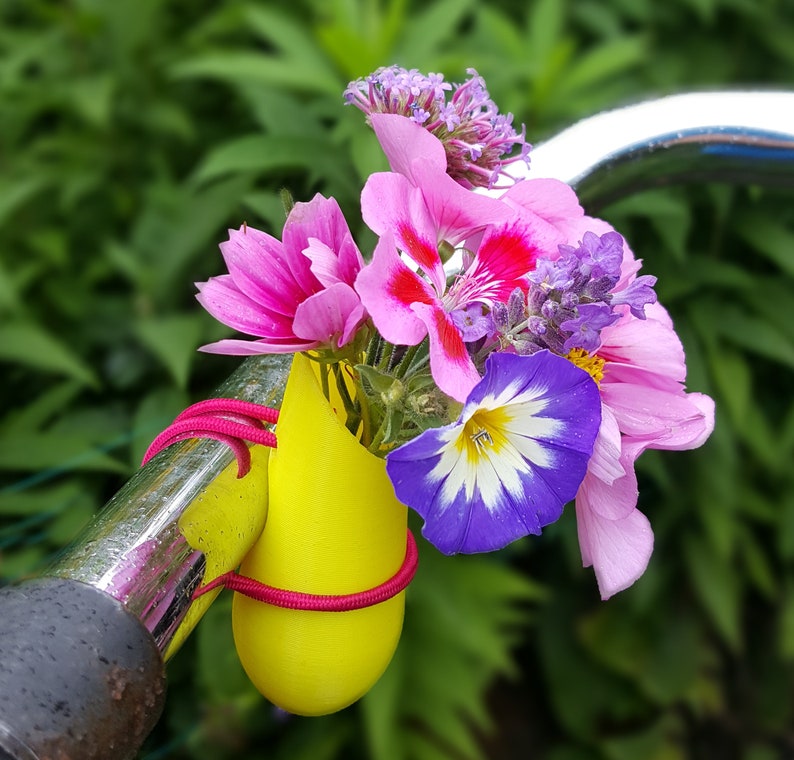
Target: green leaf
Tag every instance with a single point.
(220, 674)
(232, 66)
(603, 62)
(770, 237)
(719, 588)
(430, 25)
(155, 412)
(173, 339)
(260, 154)
(28, 344)
(34, 415)
(55, 451)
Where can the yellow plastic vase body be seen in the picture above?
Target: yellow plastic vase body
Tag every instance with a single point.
(334, 526)
(224, 522)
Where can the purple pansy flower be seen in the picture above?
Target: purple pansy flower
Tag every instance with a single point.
(508, 465)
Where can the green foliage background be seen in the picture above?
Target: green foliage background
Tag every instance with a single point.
(133, 132)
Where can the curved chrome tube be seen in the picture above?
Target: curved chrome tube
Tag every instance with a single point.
(135, 550)
(745, 137)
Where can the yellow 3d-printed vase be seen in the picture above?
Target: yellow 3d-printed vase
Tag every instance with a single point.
(334, 527)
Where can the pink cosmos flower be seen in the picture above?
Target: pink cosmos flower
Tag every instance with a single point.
(291, 295)
(644, 406)
(417, 208)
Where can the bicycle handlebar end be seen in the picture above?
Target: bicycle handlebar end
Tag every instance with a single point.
(80, 676)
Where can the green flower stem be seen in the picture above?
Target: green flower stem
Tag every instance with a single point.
(405, 362)
(352, 409)
(385, 360)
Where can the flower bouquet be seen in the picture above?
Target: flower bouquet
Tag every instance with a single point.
(497, 356)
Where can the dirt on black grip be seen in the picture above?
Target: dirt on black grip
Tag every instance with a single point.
(80, 677)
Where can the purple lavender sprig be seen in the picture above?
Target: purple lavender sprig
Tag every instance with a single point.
(570, 300)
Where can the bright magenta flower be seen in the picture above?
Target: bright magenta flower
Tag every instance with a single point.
(293, 295)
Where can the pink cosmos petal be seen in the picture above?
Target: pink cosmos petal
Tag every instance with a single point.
(330, 316)
(221, 298)
(647, 412)
(612, 500)
(690, 433)
(403, 141)
(388, 287)
(646, 345)
(618, 550)
(604, 462)
(658, 313)
(450, 363)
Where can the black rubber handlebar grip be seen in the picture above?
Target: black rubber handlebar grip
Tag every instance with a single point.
(80, 677)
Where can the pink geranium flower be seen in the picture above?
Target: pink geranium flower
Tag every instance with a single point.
(416, 209)
(291, 295)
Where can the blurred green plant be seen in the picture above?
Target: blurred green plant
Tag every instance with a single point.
(133, 132)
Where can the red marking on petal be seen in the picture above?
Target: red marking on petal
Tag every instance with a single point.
(407, 288)
(421, 251)
(450, 338)
(505, 257)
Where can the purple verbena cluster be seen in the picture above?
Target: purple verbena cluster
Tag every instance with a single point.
(570, 300)
(474, 134)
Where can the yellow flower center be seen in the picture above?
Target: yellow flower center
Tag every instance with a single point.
(593, 365)
(483, 432)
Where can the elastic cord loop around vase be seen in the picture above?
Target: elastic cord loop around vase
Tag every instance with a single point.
(296, 600)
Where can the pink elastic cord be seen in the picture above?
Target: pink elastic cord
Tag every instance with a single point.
(234, 422)
(228, 420)
(296, 600)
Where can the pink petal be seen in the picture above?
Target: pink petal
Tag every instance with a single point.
(450, 363)
(688, 434)
(333, 314)
(388, 287)
(221, 297)
(234, 347)
(505, 257)
(549, 199)
(613, 500)
(618, 550)
(604, 462)
(458, 213)
(648, 346)
(257, 262)
(650, 413)
(320, 218)
(324, 262)
(390, 203)
(403, 141)
(322, 221)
